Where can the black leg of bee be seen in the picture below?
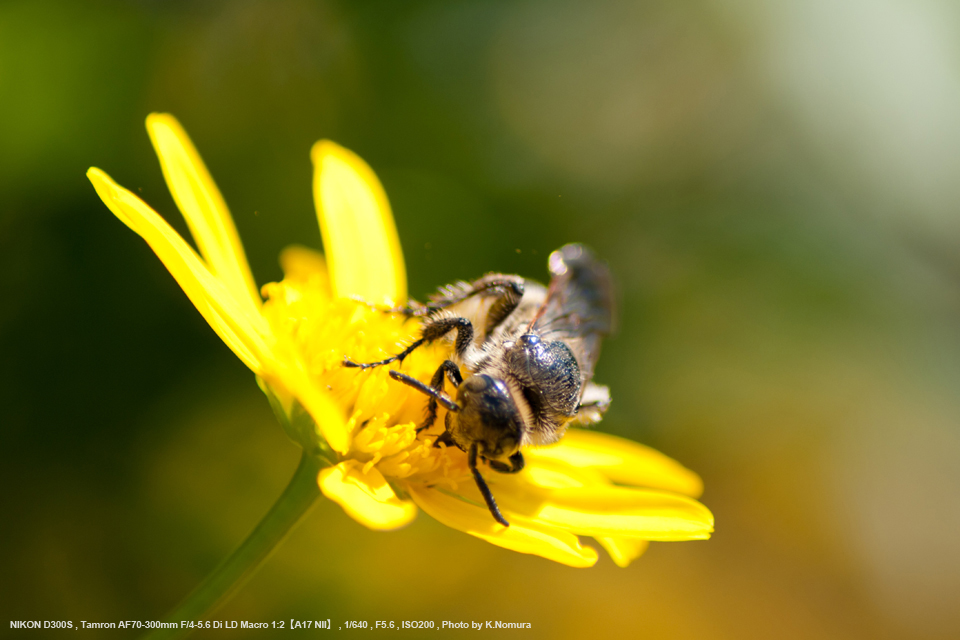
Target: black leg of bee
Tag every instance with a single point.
(508, 300)
(484, 489)
(433, 330)
(347, 362)
(444, 438)
(494, 284)
(515, 466)
(440, 327)
(449, 369)
(412, 310)
(440, 396)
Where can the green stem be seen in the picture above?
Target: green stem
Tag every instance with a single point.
(233, 572)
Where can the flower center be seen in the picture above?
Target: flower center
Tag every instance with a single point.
(383, 414)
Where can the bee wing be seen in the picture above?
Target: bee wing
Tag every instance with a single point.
(579, 306)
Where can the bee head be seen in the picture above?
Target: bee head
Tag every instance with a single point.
(488, 416)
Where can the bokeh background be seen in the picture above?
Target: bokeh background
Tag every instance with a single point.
(775, 184)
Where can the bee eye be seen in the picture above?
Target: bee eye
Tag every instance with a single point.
(534, 399)
(529, 340)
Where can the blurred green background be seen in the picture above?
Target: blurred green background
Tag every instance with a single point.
(775, 184)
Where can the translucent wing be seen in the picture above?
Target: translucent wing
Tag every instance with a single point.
(579, 305)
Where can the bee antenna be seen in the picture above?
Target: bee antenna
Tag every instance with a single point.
(440, 396)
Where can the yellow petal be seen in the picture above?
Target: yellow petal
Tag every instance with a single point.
(556, 474)
(203, 207)
(305, 265)
(327, 414)
(623, 551)
(620, 460)
(522, 535)
(359, 236)
(607, 510)
(366, 497)
(244, 331)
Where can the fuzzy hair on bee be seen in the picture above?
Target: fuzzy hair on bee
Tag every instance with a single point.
(522, 362)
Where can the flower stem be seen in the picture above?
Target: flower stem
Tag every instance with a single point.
(232, 573)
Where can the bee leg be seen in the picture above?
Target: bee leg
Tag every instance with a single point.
(516, 464)
(431, 331)
(484, 489)
(449, 369)
(507, 288)
(347, 362)
(508, 300)
(411, 310)
(436, 329)
(444, 438)
(595, 402)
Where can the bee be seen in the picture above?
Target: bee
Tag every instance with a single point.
(522, 363)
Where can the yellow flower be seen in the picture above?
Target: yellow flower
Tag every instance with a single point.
(380, 471)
